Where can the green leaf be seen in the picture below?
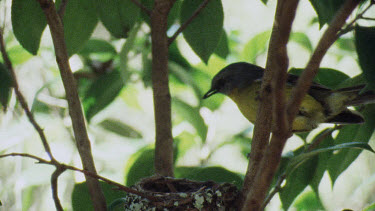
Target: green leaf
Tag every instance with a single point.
(101, 93)
(174, 55)
(222, 49)
(326, 9)
(81, 197)
(118, 16)
(5, 86)
(204, 32)
(365, 44)
(120, 128)
(80, 19)
(192, 115)
(172, 16)
(302, 39)
(358, 133)
(346, 44)
(184, 77)
(214, 173)
(297, 181)
(140, 165)
(256, 46)
(308, 201)
(264, 2)
(371, 207)
(99, 50)
(28, 22)
(18, 55)
(326, 76)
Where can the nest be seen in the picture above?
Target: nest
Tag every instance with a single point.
(166, 193)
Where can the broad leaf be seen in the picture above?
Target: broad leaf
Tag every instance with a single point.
(28, 22)
(302, 39)
(192, 115)
(81, 198)
(80, 19)
(308, 201)
(140, 165)
(214, 173)
(5, 86)
(204, 32)
(118, 16)
(101, 93)
(222, 49)
(99, 50)
(326, 76)
(326, 9)
(256, 46)
(365, 44)
(174, 55)
(120, 128)
(351, 133)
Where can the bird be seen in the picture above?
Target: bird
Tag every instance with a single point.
(241, 81)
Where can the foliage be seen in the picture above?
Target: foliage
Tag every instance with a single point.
(112, 69)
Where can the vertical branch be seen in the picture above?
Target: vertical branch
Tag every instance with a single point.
(75, 109)
(162, 98)
(273, 90)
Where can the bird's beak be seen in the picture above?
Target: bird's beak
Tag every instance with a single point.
(209, 93)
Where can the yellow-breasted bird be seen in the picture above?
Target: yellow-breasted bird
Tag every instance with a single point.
(242, 81)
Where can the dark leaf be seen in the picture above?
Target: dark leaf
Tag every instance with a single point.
(120, 128)
(204, 32)
(365, 44)
(175, 56)
(172, 16)
(28, 22)
(80, 19)
(352, 133)
(101, 93)
(98, 50)
(5, 86)
(118, 16)
(214, 173)
(326, 9)
(81, 198)
(222, 49)
(140, 165)
(308, 201)
(326, 76)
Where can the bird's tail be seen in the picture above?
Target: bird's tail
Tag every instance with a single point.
(359, 97)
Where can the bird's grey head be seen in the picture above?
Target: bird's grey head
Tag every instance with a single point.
(236, 75)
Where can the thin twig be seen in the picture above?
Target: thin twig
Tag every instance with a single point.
(275, 190)
(62, 167)
(350, 26)
(62, 8)
(21, 98)
(54, 186)
(140, 5)
(188, 21)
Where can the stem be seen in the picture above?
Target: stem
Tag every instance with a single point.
(75, 109)
(162, 97)
(188, 21)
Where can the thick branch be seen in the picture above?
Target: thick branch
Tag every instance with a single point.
(21, 98)
(273, 90)
(188, 21)
(162, 97)
(75, 110)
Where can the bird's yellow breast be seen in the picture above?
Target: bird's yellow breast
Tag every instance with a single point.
(311, 112)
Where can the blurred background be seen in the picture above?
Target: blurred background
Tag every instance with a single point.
(120, 123)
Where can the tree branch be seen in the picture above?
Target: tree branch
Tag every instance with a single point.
(140, 5)
(60, 168)
(273, 90)
(312, 68)
(75, 109)
(188, 21)
(21, 98)
(162, 97)
(54, 186)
